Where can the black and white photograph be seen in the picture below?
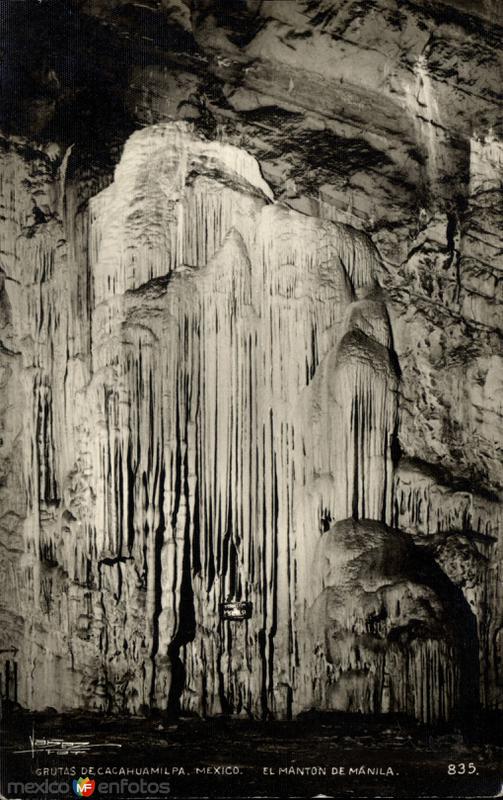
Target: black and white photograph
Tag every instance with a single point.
(251, 399)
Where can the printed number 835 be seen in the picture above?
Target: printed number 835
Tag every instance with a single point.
(462, 769)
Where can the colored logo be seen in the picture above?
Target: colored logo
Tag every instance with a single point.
(84, 787)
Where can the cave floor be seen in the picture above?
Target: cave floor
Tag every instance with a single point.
(317, 755)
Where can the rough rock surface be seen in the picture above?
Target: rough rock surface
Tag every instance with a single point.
(349, 279)
(396, 633)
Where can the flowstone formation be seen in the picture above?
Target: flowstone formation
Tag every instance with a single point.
(396, 633)
(209, 391)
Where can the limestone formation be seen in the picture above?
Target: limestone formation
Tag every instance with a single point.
(396, 634)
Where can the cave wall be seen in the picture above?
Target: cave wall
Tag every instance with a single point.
(223, 337)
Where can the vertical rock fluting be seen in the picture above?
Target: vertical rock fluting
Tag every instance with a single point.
(463, 531)
(396, 633)
(215, 310)
(210, 387)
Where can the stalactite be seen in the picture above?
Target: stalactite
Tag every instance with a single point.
(213, 312)
(212, 384)
(423, 505)
(391, 640)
